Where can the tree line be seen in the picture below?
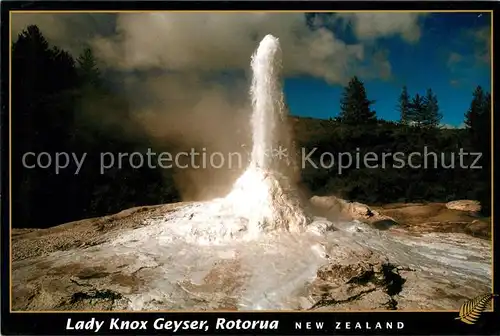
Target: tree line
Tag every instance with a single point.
(357, 126)
(60, 102)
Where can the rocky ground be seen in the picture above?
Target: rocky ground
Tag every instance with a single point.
(379, 265)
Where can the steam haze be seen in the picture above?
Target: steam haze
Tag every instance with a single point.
(169, 66)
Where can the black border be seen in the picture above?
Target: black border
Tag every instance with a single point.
(423, 323)
(249, 5)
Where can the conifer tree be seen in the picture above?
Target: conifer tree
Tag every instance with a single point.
(478, 123)
(475, 109)
(430, 117)
(87, 68)
(43, 79)
(355, 106)
(404, 106)
(416, 107)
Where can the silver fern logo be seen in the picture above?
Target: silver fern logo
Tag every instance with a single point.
(471, 310)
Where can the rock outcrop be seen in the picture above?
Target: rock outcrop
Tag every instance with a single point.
(337, 208)
(454, 217)
(464, 205)
(334, 205)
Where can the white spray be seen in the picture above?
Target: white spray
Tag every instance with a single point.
(267, 100)
(264, 194)
(263, 199)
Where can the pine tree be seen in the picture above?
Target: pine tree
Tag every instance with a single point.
(404, 106)
(87, 68)
(478, 123)
(355, 106)
(429, 115)
(485, 147)
(475, 109)
(487, 107)
(478, 120)
(416, 107)
(484, 128)
(43, 80)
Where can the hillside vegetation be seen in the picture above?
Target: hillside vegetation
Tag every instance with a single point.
(393, 183)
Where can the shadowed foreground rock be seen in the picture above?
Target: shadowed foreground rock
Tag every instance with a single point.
(132, 261)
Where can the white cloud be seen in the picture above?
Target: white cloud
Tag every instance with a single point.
(72, 32)
(215, 41)
(210, 42)
(453, 59)
(482, 39)
(374, 25)
(475, 44)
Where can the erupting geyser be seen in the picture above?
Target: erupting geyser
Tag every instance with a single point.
(263, 199)
(265, 194)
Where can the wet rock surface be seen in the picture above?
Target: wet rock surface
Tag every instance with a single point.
(129, 261)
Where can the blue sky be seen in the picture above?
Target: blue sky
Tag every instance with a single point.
(450, 57)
